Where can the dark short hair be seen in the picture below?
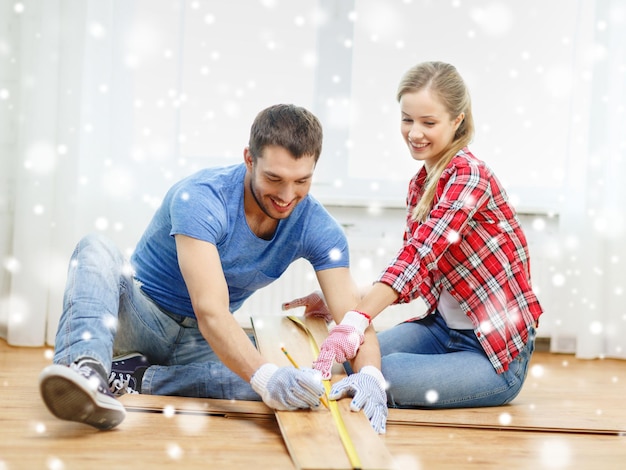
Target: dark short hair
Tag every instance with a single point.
(292, 127)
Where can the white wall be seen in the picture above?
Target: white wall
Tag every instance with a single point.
(522, 61)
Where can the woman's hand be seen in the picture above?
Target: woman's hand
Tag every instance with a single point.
(315, 306)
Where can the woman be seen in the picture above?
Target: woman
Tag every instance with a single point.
(464, 253)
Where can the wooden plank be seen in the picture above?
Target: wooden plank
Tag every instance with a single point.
(511, 417)
(311, 436)
(593, 404)
(207, 406)
(515, 417)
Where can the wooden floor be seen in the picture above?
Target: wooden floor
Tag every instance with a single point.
(570, 415)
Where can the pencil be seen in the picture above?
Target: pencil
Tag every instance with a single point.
(289, 357)
(295, 364)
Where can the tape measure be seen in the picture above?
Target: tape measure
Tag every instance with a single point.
(348, 445)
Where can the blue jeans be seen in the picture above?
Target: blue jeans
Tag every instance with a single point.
(105, 314)
(429, 365)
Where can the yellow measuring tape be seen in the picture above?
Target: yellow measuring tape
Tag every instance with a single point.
(348, 445)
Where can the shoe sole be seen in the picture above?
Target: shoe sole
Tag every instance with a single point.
(127, 356)
(70, 396)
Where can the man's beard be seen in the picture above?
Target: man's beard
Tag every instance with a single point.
(258, 202)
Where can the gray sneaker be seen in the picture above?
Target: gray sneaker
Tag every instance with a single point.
(126, 374)
(80, 394)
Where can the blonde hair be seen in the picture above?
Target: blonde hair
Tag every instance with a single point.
(445, 82)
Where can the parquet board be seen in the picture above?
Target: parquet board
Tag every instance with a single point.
(524, 414)
(206, 406)
(311, 436)
(591, 403)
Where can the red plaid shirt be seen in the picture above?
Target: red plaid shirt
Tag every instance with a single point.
(473, 245)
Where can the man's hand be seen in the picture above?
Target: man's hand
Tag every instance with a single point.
(367, 387)
(288, 388)
(315, 306)
(342, 343)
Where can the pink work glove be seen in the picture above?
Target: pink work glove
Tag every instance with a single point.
(315, 306)
(342, 342)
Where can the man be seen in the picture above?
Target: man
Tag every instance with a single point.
(219, 235)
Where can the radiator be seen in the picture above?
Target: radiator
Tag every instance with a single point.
(299, 280)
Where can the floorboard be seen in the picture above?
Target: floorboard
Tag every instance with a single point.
(567, 404)
(314, 439)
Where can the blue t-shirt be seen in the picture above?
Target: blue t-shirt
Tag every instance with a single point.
(208, 206)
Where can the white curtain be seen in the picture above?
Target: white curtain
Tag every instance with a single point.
(70, 90)
(592, 280)
(50, 76)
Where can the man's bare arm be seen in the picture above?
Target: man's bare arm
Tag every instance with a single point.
(201, 267)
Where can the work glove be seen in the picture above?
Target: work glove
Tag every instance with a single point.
(367, 387)
(287, 388)
(315, 306)
(342, 343)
